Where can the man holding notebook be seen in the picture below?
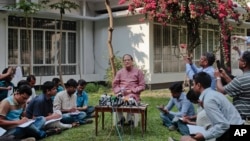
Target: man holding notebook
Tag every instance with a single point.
(11, 116)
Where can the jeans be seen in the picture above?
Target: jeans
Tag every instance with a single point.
(67, 118)
(168, 121)
(89, 111)
(33, 130)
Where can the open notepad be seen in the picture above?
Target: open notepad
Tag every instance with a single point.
(52, 120)
(2, 131)
(26, 124)
(193, 129)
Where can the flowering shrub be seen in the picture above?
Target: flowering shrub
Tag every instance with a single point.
(189, 12)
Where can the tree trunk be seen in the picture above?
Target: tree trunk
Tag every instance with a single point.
(193, 35)
(110, 31)
(28, 44)
(60, 52)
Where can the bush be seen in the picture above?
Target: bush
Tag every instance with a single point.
(91, 88)
(103, 89)
(109, 74)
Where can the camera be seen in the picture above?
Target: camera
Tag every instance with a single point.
(218, 65)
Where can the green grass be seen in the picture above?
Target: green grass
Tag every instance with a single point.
(155, 130)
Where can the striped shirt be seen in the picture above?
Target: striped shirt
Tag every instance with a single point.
(239, 89)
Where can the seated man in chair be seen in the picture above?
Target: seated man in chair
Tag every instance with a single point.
(129, 81)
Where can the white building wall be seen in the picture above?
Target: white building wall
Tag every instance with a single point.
(132, 37)
(129, 37)
(87, 54)
(3, 42)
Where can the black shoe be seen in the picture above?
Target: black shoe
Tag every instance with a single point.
(88, 121)
(53, 131)
(121, 122)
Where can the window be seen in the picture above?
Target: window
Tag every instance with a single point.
(168, 55)
(240, 43)
(210, 42)
(44, 46)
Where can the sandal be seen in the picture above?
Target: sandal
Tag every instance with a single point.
(53, 131)
(75, 124)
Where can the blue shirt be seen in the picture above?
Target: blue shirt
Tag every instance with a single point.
(220, 112)
(4, 93)
(39, 106)
(82, 99)
(248, 40)
(59, 88)
(193, 69)
(184, 106)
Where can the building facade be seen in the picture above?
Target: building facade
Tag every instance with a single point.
(155, 48)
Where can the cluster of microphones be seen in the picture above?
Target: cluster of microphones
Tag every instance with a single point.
(119, 100)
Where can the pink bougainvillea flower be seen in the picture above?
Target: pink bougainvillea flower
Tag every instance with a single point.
(121, 2)
(167, 11)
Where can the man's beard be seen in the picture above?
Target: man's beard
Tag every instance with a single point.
(197, 93)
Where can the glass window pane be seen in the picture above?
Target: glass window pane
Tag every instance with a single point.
(166, 49)
(44, 70)
(63, 48)
(204, 41)
(51, 48)
(25, 70)
(38, 47)
(72, 47)
(210, 41)
(13, 46)
(25, 47)
(67, 70)
(157, 48)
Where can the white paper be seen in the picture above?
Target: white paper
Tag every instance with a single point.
(2, 131)
(18, 76)
(193, 129)
(74, 113)
(26, 124)
(52, 120)
(10, 92)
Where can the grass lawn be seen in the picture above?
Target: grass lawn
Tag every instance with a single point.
(155, 130)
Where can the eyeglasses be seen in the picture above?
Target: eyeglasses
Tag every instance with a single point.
(242, 60)
(126, 60)
(24, 96)
(203, 58)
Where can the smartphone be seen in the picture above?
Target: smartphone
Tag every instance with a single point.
(192, 135)
(218, 65)
(160, 108)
